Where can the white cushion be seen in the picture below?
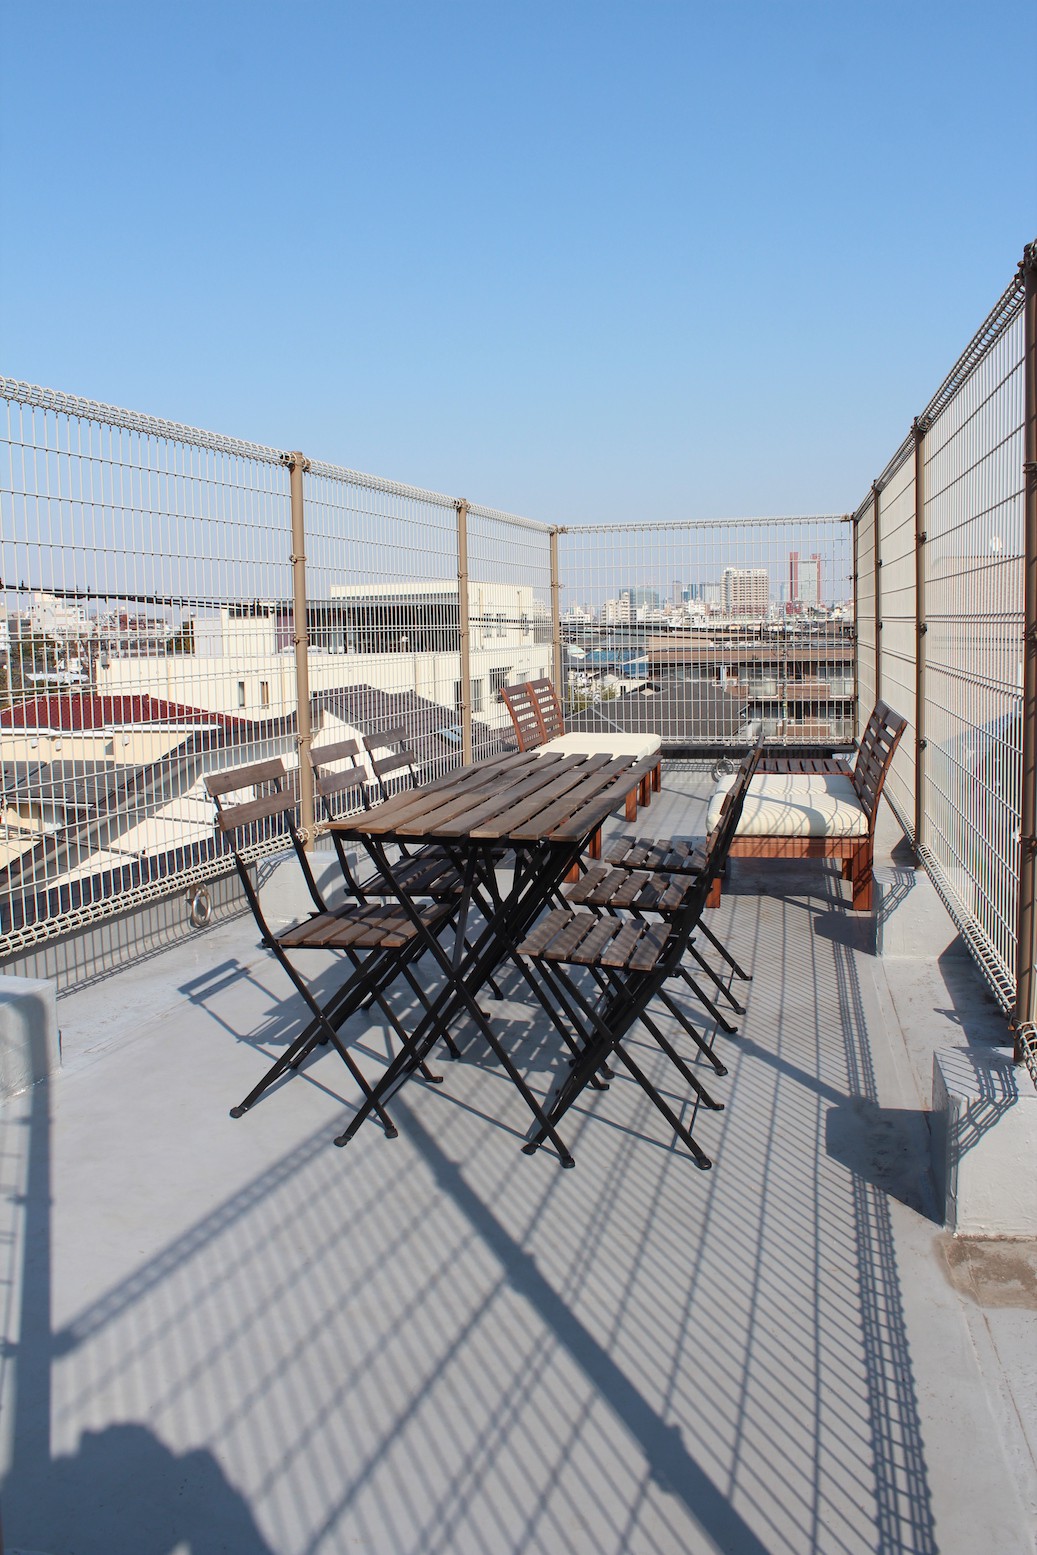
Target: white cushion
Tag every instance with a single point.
(636, 745)
(781, 804)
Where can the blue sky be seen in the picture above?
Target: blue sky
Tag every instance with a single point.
(587, 262)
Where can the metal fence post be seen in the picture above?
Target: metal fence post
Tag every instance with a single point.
(298, 464)
(1026, 938)
(464, 624)
(918, 430)
(556, 620)
(877, 570)
(856, 629)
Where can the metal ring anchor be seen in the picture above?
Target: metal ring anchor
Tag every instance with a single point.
(200, 908)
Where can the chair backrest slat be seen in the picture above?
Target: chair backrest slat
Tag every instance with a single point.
(343, 750)
(401, 760)
(878, 744)
(232, 817)
(549, 708)
(536, 712)
(349, 783)
(383, 765)
(328, 784)
(234, 778)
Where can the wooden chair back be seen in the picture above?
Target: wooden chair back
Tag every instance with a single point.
(272, 796)
(345, 789)
(536, 712)
(248, 825)
(874, 756)
(400, 760)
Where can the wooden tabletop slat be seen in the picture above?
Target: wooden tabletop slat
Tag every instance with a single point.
(532, 815)
(524, 797)
(478, 815)
(590, 816)
(393, 812)
(583, 809)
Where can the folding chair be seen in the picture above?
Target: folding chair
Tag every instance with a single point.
(341, 785)
(378, 940)
(617, 889)
(630, 961)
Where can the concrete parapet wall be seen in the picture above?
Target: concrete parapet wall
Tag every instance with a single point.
(29, 1048)
(984, 1142)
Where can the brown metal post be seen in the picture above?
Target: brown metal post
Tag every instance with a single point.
(856, 633)
(466, 632)
(298, 464)
(1026, 939)
(877, 569)
(556, 621)
(919, 430)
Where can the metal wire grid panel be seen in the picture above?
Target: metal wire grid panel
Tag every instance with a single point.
(701, 631)
(974, 557)
(509, 601)
(383, 614)
(896, 625)
(144, 576)
(969, 618)
(418, 615)
(864, 592)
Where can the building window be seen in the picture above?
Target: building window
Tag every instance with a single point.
(241, 693)
(476, 696)
(264, 693)
(498, 680)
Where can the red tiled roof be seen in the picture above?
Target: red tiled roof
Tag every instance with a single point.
(74, 712)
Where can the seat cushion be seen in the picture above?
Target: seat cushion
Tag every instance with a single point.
(612, 744)
(783, 804)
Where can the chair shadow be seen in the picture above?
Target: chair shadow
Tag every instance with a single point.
(178, 1500)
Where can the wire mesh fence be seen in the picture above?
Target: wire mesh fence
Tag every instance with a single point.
(142, 566)
(974, 553)
(700, 632)
(149, 636)
(947, 616)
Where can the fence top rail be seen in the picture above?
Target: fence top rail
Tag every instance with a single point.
(1008, 305)
(643, 527)
(34, 396)
(73, 406)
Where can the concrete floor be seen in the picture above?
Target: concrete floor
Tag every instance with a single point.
(231, 1336)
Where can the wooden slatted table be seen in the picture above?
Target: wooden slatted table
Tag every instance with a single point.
(540, 811)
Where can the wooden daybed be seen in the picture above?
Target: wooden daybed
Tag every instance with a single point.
(814, 807)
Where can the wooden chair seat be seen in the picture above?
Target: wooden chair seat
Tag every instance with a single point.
(615, 889)
(358, 928)
(583, 939)
(658, 854)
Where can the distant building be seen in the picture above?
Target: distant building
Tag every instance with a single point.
(53, 617)
(804, 579)
(747, 591)
(617, 612)
(641, 598)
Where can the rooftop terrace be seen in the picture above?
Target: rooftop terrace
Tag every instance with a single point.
(232, 1336)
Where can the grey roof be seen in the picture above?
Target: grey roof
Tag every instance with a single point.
(431, 730)
(682, 712)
